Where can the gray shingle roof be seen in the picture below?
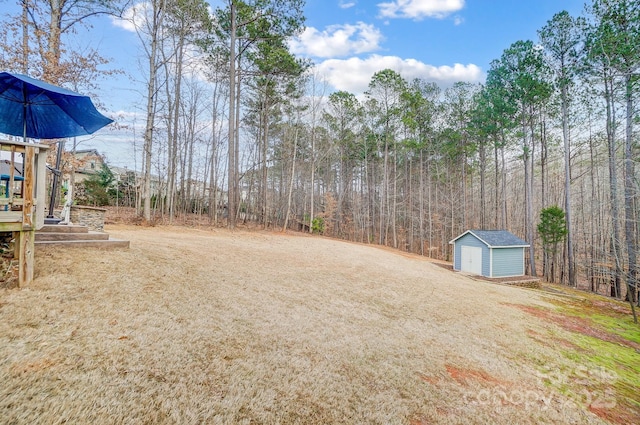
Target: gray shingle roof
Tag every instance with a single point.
(496, 238)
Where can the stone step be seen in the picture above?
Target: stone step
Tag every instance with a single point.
(75, 236)
(63, 228)
(104, 244)
(66, 236)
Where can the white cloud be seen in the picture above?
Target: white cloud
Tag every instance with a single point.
(354, 74)
(337, 40)
(346, 4)
(419, 9)
(133, 17)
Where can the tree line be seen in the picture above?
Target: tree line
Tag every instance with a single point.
(240, 129)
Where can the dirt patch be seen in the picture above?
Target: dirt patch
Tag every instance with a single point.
(32, 367)
(464, 375)
(546, 339)
(615, 415)
(580, 325)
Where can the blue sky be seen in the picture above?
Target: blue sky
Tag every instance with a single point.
(439, 40)
(348, 40)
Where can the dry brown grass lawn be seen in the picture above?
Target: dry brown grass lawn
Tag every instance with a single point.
(217, 327)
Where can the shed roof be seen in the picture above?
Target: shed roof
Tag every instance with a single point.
(496, 238)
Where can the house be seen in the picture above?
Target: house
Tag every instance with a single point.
(134, 180)
(88, 162)
(489, 253)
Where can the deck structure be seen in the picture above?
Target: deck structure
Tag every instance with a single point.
(22, 199)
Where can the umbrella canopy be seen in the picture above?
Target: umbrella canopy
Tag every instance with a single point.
(35, 109)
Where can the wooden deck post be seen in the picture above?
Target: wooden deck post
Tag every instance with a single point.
(41, 186)
(27, 234)
(28, 188)
(26, 260)
(16, 245)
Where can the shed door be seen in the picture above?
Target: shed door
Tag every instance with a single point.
(471, 259)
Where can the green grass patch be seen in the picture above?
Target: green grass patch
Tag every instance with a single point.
(609, 373)
(622, 326)
(602, 369)
(607, 314)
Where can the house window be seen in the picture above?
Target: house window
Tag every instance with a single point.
(93, 165)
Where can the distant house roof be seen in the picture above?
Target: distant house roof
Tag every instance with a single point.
(5, 167)
(87, 151)
(496, 238)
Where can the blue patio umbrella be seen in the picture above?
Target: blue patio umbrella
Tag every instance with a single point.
(35, 109)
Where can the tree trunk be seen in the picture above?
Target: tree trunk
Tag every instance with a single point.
(528, 199)
(383, 195)
(496, 201)
(293, 173)
(236, 142)
(595, 217)
(629, 196)
(313, 173)
(421, 201)
(158, 14)
(394, 208)
(264, 149)
(567, 183)
(25, 37)
(503, 194)
(173, 151)
(613, 185)
(232, 160)
(483, 168)
(52, 56)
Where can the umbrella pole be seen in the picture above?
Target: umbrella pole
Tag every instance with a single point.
(24, 113)
(56, 175)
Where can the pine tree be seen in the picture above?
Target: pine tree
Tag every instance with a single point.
(552, 230)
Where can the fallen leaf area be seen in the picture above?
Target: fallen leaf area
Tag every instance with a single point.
(210, 326)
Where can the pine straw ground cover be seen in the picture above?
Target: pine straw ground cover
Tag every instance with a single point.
(217, 327)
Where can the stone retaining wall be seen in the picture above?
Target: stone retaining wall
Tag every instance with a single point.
(91, 217)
